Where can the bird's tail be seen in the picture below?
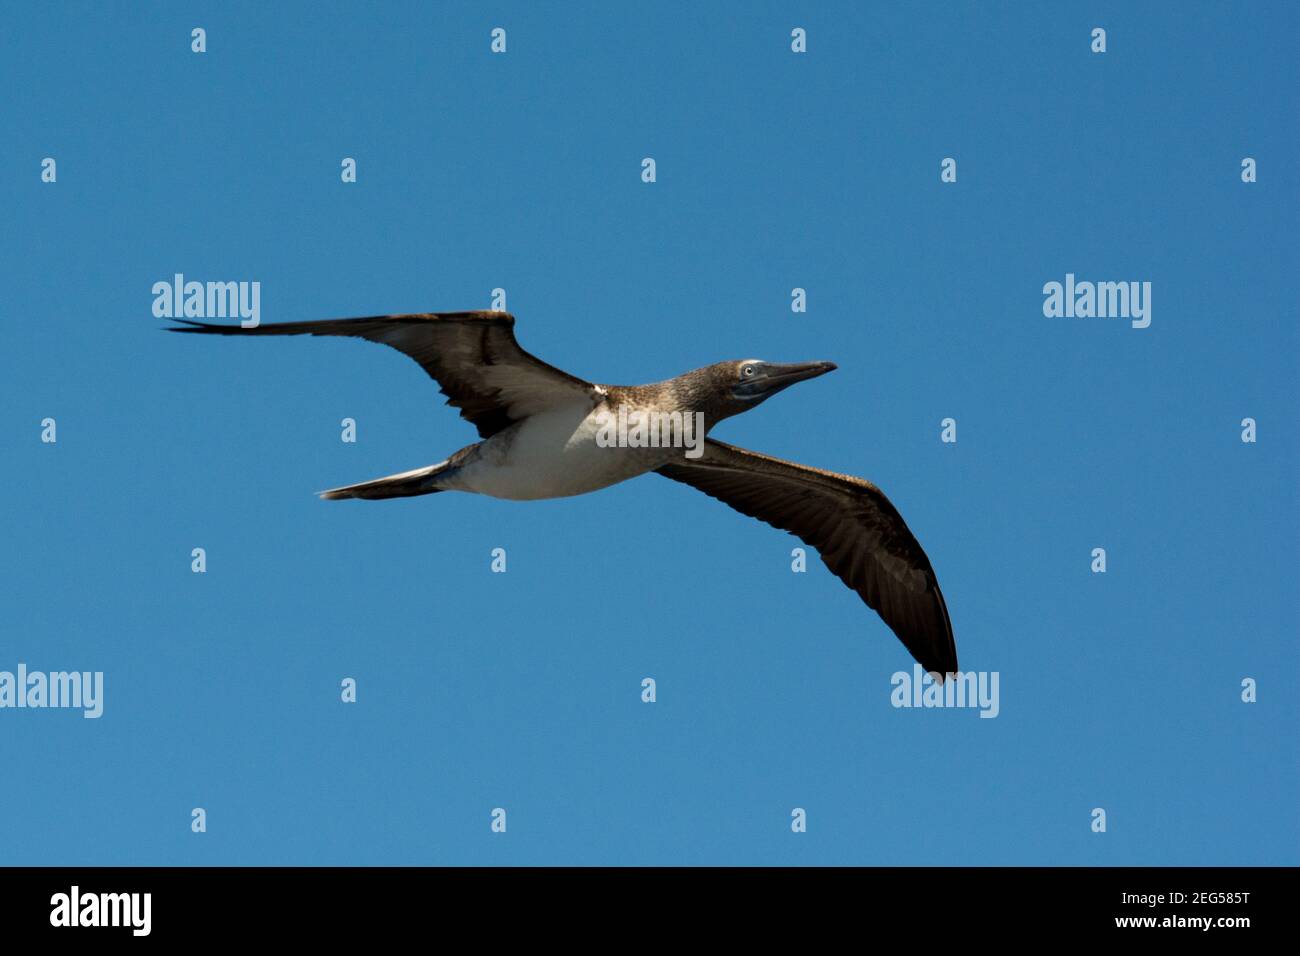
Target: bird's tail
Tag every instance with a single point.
(421, 481)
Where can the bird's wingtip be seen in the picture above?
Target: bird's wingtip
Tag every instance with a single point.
(942, 673)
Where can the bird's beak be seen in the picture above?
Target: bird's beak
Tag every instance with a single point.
(780, 376)
(772, 378)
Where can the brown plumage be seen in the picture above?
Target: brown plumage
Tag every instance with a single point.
(473, 356)
(860, 536)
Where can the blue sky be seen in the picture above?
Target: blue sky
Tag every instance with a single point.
(522, 690)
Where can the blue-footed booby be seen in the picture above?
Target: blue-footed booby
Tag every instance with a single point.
(546, 434)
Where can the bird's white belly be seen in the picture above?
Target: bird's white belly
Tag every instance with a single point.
(552, 455)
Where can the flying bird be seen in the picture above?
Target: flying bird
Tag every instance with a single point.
(541, 430)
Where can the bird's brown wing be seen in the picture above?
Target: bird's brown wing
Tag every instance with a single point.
(860, 536)
(473, 356)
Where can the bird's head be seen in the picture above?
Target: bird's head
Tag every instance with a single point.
(729, 388)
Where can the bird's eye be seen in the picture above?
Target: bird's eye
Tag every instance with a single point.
(747, 371)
